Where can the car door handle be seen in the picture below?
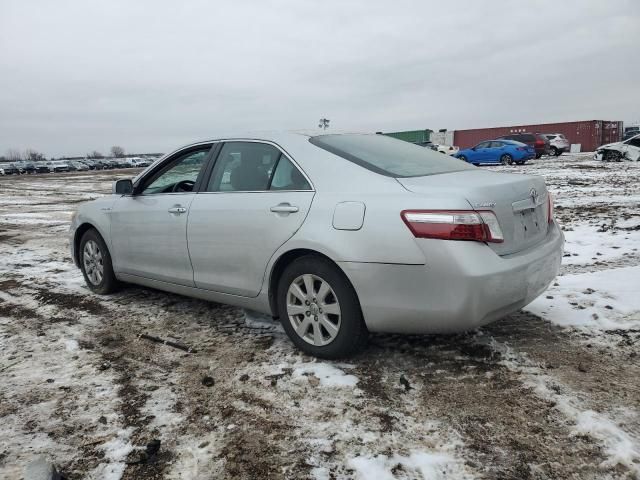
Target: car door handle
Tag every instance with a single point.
(177, 209)
(284, 208)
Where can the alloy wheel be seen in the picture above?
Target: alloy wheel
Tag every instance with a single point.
(92, 260)
(313, 310)
(506, 160)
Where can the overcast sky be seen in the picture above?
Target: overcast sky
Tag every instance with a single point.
(151, 75)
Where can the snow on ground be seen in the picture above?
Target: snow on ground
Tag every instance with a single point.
(549, 392)
(586, 244)
(607, 300)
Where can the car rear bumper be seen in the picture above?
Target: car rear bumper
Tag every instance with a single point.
(463, 285)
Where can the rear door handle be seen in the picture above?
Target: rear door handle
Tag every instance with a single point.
(284, 208)
(177, 209)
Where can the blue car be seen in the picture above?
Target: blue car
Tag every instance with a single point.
(505, 152)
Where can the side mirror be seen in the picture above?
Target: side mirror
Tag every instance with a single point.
(123, 187)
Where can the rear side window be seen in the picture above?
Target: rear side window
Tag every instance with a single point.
(254, 167)
(287, 177)
(389, 156)
(497, 144)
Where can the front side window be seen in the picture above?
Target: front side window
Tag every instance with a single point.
(388, 156)
(483, 145)
(254, 167)
(179, 175)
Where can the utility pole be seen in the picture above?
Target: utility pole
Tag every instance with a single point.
(324, 123)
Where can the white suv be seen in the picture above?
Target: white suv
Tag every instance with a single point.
(558, 143)
(447, 149)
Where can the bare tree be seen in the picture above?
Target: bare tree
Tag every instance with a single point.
(33, 155)
(117, 152)
(96, 154)
(13, 155)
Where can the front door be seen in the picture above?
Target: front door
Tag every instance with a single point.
(255, 200)
(149, 229)
(482, 153)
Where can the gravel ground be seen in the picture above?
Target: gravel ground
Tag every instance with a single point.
(551, 392)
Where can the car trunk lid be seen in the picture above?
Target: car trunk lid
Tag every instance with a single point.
(518, 201)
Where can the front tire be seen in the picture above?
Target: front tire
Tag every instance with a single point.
(95, 263)
(612, 156)
(319, 309)
(553, 152)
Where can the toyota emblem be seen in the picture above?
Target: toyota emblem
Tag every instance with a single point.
(534, 195)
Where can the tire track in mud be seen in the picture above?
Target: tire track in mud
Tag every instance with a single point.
(594, 381)
(507, 430)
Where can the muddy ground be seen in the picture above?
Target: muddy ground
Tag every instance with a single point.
(524, 398)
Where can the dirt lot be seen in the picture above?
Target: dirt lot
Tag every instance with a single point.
(552, 392)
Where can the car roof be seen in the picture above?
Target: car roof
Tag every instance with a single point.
(319, 164)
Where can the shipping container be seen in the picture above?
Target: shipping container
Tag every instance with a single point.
(589, 134)
(413, 136)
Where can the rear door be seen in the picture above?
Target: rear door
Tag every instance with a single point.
(149, 229)
(254, 200)
(496, 150)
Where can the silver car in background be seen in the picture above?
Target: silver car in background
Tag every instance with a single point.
(335, 235)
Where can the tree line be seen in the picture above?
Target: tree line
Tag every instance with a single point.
(31, 155)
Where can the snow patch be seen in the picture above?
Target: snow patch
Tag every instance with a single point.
(115, 451)
(619, 446)
(605, 300)
(328, 375)
(432, 466)
(585, 244)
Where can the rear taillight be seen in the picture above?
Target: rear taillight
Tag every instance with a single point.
(539, 142)
(549, 207)
(479, 226)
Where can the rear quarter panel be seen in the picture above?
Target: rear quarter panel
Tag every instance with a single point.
(383, 237)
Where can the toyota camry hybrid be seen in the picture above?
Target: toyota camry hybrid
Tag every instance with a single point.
(335, 235)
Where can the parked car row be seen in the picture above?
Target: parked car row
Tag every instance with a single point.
(515, 148)
(57, 166)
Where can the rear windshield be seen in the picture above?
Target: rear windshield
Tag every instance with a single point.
(389, 156)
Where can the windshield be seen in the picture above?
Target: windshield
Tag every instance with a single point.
(389, 156)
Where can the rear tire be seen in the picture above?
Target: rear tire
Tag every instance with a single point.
(319, 309)
(506, 159)
(95, 263)
(538, 155)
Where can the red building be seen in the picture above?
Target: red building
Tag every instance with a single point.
(590, 134)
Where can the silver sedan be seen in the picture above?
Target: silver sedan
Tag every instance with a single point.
(335, 235)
